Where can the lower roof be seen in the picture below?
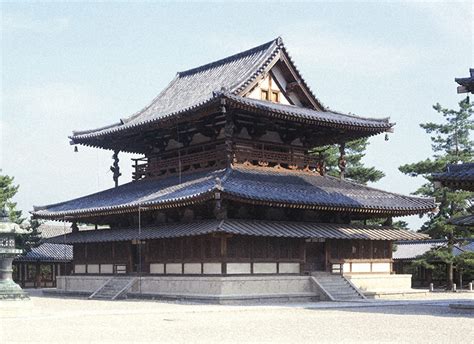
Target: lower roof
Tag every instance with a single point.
(48, 252)
(256, 185)
(412, 249)
(304, 230)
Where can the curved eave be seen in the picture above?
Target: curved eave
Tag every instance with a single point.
(372, 127)
(120, 209)
(366, 210)
(246, 104)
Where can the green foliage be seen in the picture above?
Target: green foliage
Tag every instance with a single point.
(32, 238)
(465, 263)
(438, 255)
(8, 190)
(451, 144)
(355, 169)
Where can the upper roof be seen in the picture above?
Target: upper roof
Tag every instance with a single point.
(228, 78)
(243, 227)
(265, 186)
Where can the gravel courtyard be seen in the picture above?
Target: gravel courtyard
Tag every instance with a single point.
(65, 320)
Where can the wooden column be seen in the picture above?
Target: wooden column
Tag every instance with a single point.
(229, 132)
(115, 168)
(342, 160)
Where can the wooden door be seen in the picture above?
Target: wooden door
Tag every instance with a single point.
(315, 256)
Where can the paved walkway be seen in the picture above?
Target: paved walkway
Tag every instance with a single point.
(67, 320)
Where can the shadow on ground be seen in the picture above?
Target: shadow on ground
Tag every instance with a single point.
(438, 309)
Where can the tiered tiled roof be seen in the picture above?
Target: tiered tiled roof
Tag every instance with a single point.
(243, 227)
(265, 186)
(457, 176)
(228, 78)
(48, 252)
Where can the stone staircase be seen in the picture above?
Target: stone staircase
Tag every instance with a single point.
(114, 288)
(337, 287)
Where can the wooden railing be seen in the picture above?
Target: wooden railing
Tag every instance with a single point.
(184, 160)
(273, 154)
(214, 155)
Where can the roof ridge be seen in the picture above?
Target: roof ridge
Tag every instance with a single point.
(227, 59)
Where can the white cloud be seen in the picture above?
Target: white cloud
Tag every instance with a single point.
(19, 22)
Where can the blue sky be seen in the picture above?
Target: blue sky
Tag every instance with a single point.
(72, 66)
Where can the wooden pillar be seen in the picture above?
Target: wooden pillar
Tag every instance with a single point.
(38, 275)
(327, 255)
(342, 160)
(115, 168)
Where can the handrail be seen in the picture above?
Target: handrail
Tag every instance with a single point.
(354, 287)
(100, 288)
(328, 294)
(127, 286)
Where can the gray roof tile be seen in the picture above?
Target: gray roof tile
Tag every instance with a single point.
(200, 86)
(413, 249)
(243, 227)
(49, 252)
(247, 184)
(461, 172)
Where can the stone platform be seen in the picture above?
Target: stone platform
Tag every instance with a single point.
(209, 289)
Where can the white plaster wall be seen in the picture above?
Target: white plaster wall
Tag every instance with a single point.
(156, 268)
(360, 267)
(174, 268)
(92, 268)
(212, 268)
(381, 267)
(106, 268)
(265, 268)
(256, 93)
(289, 268)
(238, 268)
(192, 268)
(80, 268)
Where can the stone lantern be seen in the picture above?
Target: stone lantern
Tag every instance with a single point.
(9, 290)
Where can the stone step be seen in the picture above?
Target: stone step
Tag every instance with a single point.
(113, 287)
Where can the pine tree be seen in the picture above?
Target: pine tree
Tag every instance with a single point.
(355, 169)
(8, 190)
(451, 144)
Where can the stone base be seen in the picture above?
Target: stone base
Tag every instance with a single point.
(9, 290)
(380, 283)
(208, 289)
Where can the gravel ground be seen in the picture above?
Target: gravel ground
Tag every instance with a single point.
(66, 320)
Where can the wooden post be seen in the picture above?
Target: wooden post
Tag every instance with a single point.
(115, 168)
(342, 160)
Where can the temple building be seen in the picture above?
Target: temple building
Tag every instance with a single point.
(226, 201)
(39, 267)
